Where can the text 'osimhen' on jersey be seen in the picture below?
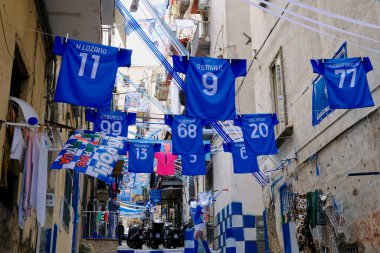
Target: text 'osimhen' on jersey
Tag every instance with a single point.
(88, 72)
(195, 164)
(187, 134)
(141, 156)
(210, 85)
(244, 162)
(346, 81)
(258, 133)
(111, 122)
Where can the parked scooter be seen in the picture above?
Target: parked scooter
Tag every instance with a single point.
(156, 234)
(171, 236)
(135, 239)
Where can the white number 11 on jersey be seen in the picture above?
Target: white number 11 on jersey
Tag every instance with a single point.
(83, 64)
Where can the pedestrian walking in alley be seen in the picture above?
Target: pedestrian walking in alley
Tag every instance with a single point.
(120, 232)
(113, 208)
(196, 212)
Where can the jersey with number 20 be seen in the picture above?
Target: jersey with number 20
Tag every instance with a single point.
(88, 72)
(346, 81)
(210, 85)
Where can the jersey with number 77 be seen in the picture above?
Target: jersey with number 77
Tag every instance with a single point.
(346, 81)
(210, 85)
(258, 133)
(88, 72)
(187, 134)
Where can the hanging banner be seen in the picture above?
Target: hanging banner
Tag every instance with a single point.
(155, 197)
(320, 101)
(91, 153)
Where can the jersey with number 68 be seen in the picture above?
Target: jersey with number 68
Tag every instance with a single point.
(187, 135)
(141, 156)
(346, 81)
(210, 85)
(258, 133)
(88, 72)
(111, 122)
(244, 162)
(195, 164)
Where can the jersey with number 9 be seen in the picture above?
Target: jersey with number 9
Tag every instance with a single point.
(187, 135)
(346, 81)
(88, 72)
(210, 87)
(258, 133)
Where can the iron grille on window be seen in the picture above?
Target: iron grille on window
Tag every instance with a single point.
(66, 216)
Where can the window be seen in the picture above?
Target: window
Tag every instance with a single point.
(278, 93)
(66, 202)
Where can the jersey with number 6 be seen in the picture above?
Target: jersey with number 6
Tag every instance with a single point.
(210, 85)
(88, 72)
(141, 156)
(187, 134)
(111, 122)
(346, 81)
(258, 133)
(195, 164)
(244, 162)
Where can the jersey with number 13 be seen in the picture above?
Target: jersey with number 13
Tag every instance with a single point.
(210, 85)
(258, 133)
(88, 72)
(141, 156)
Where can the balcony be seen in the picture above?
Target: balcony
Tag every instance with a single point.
(200, 46)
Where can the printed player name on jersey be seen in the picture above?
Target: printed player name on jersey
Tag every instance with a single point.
(209, 67)
(91, 49)
(344, 65)
(141, 145)
(113, 117)
(262, 119)
(187, 120)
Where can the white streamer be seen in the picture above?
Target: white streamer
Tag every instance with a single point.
(334, 15)
(307, 26)
(316, 21)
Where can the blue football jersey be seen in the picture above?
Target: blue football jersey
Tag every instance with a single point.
(111, 122)
(244, 162)
(195, 164)
(141, 156)
(258, 133)
(88, 72)
(346, 81)
(210, 85)
(187, 134)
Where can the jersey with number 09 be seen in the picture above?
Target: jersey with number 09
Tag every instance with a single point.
(346, 81)
(244, 162)
(88, 72)
(111, 122)
(258, 133)
(195, 164)
(210, 88)
(141, 156)
(187, 135)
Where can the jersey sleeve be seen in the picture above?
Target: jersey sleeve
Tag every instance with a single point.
(205, 122)
(227, 147)
(275, 119)
(239, 67)
(168, 119)
(238, 121)
(90, 115)
(157, 147)
(59, 46)
(207, 148)
(367, 64)
(124, 57)
(131, 118)
(318, 66)
(156, 155)
(180, 63)
(127, 146)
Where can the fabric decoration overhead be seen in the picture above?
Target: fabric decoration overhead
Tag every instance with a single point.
(28, 111)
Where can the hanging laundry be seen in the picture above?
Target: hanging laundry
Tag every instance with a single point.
(346, 81)
(210, 88)
(195, 164)
(165, 163)
(141, 156)
(187, 134)
(88, 72)
(18, 145)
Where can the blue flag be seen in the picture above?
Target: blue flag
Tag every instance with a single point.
(210, 85)
(111, 122)
(187, 134)
(244, 162)
(88, 72)
(258, 133)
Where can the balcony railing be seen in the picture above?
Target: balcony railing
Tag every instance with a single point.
(100, 224)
